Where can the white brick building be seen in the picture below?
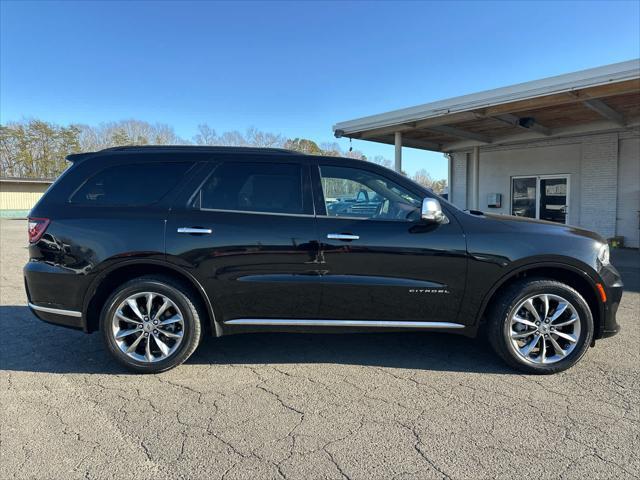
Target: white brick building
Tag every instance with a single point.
(565, 148)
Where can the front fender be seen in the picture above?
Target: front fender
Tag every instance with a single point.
(486, 277)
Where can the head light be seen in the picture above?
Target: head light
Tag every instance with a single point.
(603, 254)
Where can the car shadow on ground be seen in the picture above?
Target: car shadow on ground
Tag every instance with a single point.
(35, 346)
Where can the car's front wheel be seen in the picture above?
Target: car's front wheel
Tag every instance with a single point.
(151, 324)
(540, 326)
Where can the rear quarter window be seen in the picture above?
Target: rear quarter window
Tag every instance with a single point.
(130, 185)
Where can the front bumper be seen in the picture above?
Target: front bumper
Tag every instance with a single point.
(613, 287)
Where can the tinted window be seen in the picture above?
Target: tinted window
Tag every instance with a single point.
(523, 197)
(130, 185)
(351, 192)
(254, 187)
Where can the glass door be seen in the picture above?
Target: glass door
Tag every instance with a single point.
(524, 192)
(541, 197)
(553, 199)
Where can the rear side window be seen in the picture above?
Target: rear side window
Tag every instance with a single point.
(130, 185)
(254, 187)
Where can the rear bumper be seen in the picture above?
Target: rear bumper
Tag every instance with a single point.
(53, 294)
(614, 288)
(65, 318)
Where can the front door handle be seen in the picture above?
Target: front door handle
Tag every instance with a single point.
(342, 236)
(195, 230)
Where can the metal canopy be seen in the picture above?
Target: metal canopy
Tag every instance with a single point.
(598, 99)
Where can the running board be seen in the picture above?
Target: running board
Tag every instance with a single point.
(341, 323)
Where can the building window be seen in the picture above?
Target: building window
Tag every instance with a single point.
(523, 196)
(541, 197)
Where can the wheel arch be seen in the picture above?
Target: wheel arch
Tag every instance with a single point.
(571, 275)
(102, 286)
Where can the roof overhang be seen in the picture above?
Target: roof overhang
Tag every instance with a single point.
(25, 180)
(598, 99)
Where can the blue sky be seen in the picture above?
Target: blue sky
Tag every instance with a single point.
(285, 67)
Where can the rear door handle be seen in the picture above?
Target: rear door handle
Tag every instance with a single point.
(195, 230)
(342, 236)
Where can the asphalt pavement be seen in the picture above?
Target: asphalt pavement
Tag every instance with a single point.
(293, 406)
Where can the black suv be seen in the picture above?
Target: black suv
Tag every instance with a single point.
(158, 246)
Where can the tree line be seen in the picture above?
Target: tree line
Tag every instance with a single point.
(37, 149)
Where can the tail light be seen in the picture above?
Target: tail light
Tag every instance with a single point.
(37, 227)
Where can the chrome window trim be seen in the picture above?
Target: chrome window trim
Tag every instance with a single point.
(344, 217)
(342, 323)
(55, 311)
(370, 219)
(253, 212)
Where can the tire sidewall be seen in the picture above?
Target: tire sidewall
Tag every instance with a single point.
(191, 334)
(576, 300)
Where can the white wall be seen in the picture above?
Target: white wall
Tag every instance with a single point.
(629, 190)
(599, 171)
(603, 170)
(498, 166)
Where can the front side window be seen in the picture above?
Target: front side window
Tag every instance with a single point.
(135, 184)
(254, 187)
(351, 192)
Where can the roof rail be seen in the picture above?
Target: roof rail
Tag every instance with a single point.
(172, 148)
(201, 147)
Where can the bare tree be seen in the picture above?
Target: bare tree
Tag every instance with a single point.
(331, 149)
(257, 138)
(36, 148)
(425, 179)
(205, 136)
(127, 132)
(380, 160)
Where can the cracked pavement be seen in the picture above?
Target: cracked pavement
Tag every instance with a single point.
(293, 406)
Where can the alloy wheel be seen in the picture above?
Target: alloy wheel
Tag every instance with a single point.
(544, 329)
(148, 327)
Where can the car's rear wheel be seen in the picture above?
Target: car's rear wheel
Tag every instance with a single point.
(540, 326)
(151, 324)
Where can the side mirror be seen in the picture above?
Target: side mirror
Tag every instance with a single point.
(432, 211)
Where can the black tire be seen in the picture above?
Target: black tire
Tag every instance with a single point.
(499, 324)
(182, 297)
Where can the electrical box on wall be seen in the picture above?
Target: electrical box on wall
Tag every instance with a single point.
(494, 200)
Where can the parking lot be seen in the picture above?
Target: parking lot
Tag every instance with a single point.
(367, 406)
